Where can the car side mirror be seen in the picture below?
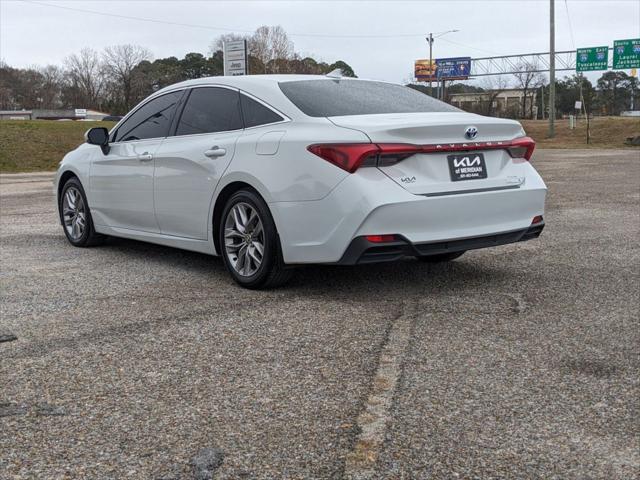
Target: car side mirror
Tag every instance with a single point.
(98, 136)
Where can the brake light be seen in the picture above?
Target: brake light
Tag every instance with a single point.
(522, 148)
(347, 156)
(351, 156)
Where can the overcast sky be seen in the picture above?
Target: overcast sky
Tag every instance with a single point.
(389, 34)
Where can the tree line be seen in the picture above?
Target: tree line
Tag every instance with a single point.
(118, 77)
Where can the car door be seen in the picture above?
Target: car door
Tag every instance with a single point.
(190, 162)
(122, 180)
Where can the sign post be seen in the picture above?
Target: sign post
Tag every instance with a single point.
(626, 54)
(235, 58)
(592, 58)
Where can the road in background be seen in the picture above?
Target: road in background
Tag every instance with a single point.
(520, 361)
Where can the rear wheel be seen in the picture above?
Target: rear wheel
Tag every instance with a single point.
(249, 243)
(443, 257)
(75, 216)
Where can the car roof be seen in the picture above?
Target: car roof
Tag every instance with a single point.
(244, 80)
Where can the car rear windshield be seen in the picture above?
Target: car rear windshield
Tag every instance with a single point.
(333, 98)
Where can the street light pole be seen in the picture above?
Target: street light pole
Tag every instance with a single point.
(430, 40)
(552, 71)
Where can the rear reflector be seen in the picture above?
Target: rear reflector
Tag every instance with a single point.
(381, 238)
(537, 219)
(351, 156)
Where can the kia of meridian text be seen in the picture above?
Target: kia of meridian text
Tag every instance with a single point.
(274, 171)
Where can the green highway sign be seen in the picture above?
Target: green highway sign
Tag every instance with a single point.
(626, 54)
(593, 58)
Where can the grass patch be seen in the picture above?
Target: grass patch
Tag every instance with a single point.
(606, 132)
(39, 145)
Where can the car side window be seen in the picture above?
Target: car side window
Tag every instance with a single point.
(209, 110)
(152, 120)
(255, 113)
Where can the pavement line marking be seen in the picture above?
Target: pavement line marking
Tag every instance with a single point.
(360, 463)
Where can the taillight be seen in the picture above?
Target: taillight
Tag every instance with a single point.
(347, 156)
(521, 148)
(351, 156)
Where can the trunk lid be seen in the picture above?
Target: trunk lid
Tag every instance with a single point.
(429, 173)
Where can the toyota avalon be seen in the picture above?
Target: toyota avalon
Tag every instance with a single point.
(274, 171)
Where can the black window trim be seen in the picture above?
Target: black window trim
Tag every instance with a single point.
(115, 129)
(185, 98)
(174, 126)
(285, 118)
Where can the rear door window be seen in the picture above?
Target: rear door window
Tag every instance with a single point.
(209, 110)
(255, 113)
(332, 98)
(152, 120)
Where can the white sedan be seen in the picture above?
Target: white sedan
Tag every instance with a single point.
(274, 171)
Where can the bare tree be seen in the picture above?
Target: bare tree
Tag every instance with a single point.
(494, 86)
(218, 43)
(271, 45)
(119, 63)
(84, 71)
(52, 79)
(528, 80)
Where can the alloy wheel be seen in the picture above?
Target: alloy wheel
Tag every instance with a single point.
(244, 239)
(74, 213)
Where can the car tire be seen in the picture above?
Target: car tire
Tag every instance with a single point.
(75, 216)
(249, 243)
(443, 257)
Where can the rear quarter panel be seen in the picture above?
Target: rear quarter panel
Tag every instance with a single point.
(289, 172)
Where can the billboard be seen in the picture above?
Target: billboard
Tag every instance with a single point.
(424, 70)
(442, 69)
(457, 68)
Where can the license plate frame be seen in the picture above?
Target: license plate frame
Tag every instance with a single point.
(467, 166)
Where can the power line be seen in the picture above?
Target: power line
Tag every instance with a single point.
(566, 5)
(469, 46)
(221, 29)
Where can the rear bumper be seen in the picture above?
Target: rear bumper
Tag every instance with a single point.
(362, 251)
(368, 202)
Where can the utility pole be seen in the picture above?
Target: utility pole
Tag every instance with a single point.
(552, 70)
(430, 40)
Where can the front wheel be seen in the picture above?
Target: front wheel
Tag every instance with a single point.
(75, 216)
(443, 257)
(249, 242)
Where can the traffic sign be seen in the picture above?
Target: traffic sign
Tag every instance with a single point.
(626, 54)
(592, 58)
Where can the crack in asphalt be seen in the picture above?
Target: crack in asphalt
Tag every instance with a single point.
(372, 421)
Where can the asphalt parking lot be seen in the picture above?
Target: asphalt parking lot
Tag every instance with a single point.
(521, 361)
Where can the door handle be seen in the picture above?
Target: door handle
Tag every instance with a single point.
(215, 152)
(145, 157)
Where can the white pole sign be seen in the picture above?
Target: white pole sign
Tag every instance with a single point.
(235, 57)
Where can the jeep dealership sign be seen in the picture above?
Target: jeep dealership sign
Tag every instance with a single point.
(235, 57)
